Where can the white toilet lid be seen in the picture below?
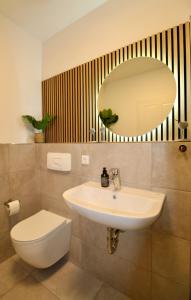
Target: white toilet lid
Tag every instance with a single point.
(37, 226)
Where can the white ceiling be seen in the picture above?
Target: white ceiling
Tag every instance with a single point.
(44, 18)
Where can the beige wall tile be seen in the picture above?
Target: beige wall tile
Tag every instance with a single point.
(4, 159)
(24, 183)
(38, 152)
(22, 157)
(171, 257)
(75, 223)
(92, 233)
(5, 192)
(55, 205)
(98, 262)
(25, 187)
(6, 249)
(164, 289)
(18, 180)
(75, 254)
(135, 246)
(29, 205)
(54, 183)
(170, 167)
(5, 224)
(175, 218)
(117, 272)
(58, 206)
(128, 275)
(134, 162)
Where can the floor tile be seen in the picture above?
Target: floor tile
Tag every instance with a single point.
(11, 274)
(106, 292)
(63, 281)
(28, 268)
(69, 282)
(29, 289)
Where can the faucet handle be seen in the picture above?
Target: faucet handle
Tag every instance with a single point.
(114, 171)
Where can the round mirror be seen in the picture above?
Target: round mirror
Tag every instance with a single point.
(141, 92)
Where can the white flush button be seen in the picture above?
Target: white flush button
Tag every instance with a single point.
(85, 160)
(59, 161)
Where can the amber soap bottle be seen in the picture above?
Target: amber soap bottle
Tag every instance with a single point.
(104, 178)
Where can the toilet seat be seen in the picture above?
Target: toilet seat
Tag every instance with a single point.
(37, 227)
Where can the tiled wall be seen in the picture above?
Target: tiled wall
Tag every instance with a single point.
(150, 264)
(19, 179)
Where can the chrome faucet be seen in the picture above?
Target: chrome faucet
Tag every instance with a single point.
(115, 177)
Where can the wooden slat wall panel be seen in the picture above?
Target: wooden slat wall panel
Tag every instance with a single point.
(72, 95)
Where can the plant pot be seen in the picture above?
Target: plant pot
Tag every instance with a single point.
(39, 137)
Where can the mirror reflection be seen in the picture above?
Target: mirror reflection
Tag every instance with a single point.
(141, 92)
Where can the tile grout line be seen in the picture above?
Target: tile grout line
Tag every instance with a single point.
(45, 287)
(98, 291)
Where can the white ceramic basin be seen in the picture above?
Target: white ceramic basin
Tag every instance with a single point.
(127, 209)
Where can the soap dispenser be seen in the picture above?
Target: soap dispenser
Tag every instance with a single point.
(104, 178)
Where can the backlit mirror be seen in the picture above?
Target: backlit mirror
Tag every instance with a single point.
(141, 92)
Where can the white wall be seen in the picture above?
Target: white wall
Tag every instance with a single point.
(20, 81)
(115, 24)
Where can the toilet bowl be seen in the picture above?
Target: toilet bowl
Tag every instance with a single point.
(42, 239)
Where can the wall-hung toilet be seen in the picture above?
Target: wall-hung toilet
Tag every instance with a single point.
(42, 239)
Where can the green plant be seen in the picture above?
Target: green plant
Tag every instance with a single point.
(39, 124)
(107, 117)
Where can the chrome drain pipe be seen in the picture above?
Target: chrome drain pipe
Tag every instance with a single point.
(112, 239)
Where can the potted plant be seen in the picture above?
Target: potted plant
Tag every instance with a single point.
(39, 126)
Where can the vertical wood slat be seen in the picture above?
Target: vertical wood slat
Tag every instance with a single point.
(176, 75)
(164, 60)
(181, 75)
(187, 69)
(170, 65)
(72, 95)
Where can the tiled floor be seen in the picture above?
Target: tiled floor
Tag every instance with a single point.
(63, 281)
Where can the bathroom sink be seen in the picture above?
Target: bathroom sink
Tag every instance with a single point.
(126, 209)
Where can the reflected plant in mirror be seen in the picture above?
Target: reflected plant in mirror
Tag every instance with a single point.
(107, 117)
